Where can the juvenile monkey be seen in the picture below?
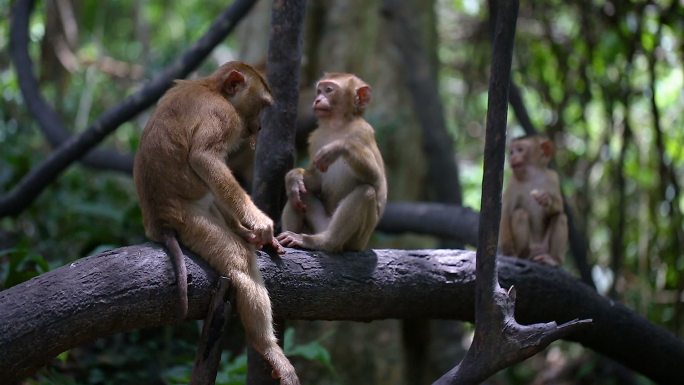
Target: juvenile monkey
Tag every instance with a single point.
(336, 202)
(533, 224)
(186, 190)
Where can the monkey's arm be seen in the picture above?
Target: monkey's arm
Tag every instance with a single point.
(358, 151)
(298, 176)
(217, 176)
(298, 183)
(556, 204)
(211, 168)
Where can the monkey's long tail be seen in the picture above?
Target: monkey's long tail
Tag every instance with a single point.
(178, 261)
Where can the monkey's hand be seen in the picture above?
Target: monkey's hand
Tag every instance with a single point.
(296, 189)
(542, 197)
(290, 239)
(327, 155)
(261, 233)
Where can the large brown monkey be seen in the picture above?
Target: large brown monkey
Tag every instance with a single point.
(533, 224)
(335, 204)
(187, 190)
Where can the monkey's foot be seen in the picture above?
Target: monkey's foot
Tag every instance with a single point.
(290, 239)
(281, 368)
(289, 379)
(538, 250)
(545, 259)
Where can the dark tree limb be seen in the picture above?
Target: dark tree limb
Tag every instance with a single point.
(209, 348)
(519, 109)
(23, 194)
(49, 121)
(421, 81)
(446, 221)
(494, 156)
(276, 145)
(134, 287)
(499, 341)
(578, 246)
(578, 242)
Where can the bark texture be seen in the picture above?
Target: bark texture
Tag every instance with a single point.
(134, 287)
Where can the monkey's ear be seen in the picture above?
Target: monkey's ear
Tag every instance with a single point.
(233, 82)
(547, 148)
(363, 97)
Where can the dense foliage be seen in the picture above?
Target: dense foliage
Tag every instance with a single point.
(604, 80)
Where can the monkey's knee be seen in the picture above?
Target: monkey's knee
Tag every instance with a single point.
(520, 231)
(366, 199)
(217, 244)
(369, 194)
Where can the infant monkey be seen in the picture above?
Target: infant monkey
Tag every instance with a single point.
(336, 202)
(533, 224)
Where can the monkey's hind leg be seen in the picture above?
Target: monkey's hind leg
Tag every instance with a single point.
(352, 222)
(292, 220)
(233, 257)
(520, 229)
(254, 307)
(314, 220)
(557, 238)
(316, 217)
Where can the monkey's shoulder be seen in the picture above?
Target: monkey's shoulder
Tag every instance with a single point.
(194, 99)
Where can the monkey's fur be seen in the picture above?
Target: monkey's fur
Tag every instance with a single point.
(186, 190)
(337, 201)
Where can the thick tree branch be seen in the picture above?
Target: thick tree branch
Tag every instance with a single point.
(134, 287)
(449, 222)
(76, 146)
(421, 80)
(578, 242)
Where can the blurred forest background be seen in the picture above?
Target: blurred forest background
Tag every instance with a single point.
(602, 78)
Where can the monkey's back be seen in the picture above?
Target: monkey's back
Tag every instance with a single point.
(163, 176)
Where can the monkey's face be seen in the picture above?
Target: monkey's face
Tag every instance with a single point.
(326, 96)
(250, 100)
(340, 96)
(529, 152)
(518, 157)
(253, 114)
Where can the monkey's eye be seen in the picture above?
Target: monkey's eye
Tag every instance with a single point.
(328, 89)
